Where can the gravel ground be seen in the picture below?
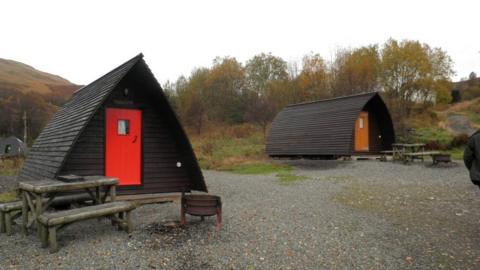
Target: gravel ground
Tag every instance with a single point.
(346, 215)
(7, 183)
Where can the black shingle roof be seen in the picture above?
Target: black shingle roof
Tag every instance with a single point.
(54, 143)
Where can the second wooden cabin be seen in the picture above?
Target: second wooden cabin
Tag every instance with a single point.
(345, 126)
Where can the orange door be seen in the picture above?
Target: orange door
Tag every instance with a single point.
(123, 145)
(361, 132)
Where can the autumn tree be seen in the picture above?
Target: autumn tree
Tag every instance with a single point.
(355, 71)
(169, 89)
(413, 73)
(190, 100)
(263, 69)
(268, 86)
(224, 91)
(260, 110)
(313, 80)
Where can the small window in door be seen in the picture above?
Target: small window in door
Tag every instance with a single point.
(8, 148)
(360, 123)
(123, 127)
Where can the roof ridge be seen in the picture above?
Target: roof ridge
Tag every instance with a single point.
(330, 99)
(136, 58)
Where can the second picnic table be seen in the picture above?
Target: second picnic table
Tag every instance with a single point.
(37, 196)
(407, 152)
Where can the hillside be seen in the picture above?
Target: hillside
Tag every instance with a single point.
(462, 117)
(24, 78)
(26, 90)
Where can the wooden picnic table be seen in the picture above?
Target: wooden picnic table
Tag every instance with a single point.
(401, 149)
(34, 192)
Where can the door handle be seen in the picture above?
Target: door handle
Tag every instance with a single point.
(135, 139)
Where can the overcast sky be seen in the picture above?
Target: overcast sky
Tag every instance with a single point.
(83, 40)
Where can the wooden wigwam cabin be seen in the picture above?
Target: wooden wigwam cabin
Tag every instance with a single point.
(12, 147)
(345, 126)
(120, 125)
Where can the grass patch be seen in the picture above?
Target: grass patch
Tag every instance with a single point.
(457, 153)
(288, 178)
(8, 196)
(260, 168)
(231, 148)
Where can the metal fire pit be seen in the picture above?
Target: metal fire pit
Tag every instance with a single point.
(202, 206)
(445, 158)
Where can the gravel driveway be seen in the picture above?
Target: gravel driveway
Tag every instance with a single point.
(346, 215)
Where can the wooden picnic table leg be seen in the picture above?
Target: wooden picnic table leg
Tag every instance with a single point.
(97, 195)
(2, 222)
(24, 212)
(44, 235)
(38, 211)
(52, 239)
(31, 209)
(93, 196)
(8, 223)
(129, 222)
(113, 193)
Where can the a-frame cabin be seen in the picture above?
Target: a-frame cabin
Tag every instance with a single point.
(120, 125)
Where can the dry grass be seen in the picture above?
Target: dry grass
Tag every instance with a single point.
(424, 117)
(239, 149)
(462, 106)
(10, 166)
(469, 108)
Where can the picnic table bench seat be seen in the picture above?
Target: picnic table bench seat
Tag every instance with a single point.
(51, 222)
(425, 153)
(10, 211)
(419, 155)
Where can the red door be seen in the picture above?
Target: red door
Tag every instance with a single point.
(123, 147)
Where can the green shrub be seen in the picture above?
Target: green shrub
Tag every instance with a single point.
(435, 138)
